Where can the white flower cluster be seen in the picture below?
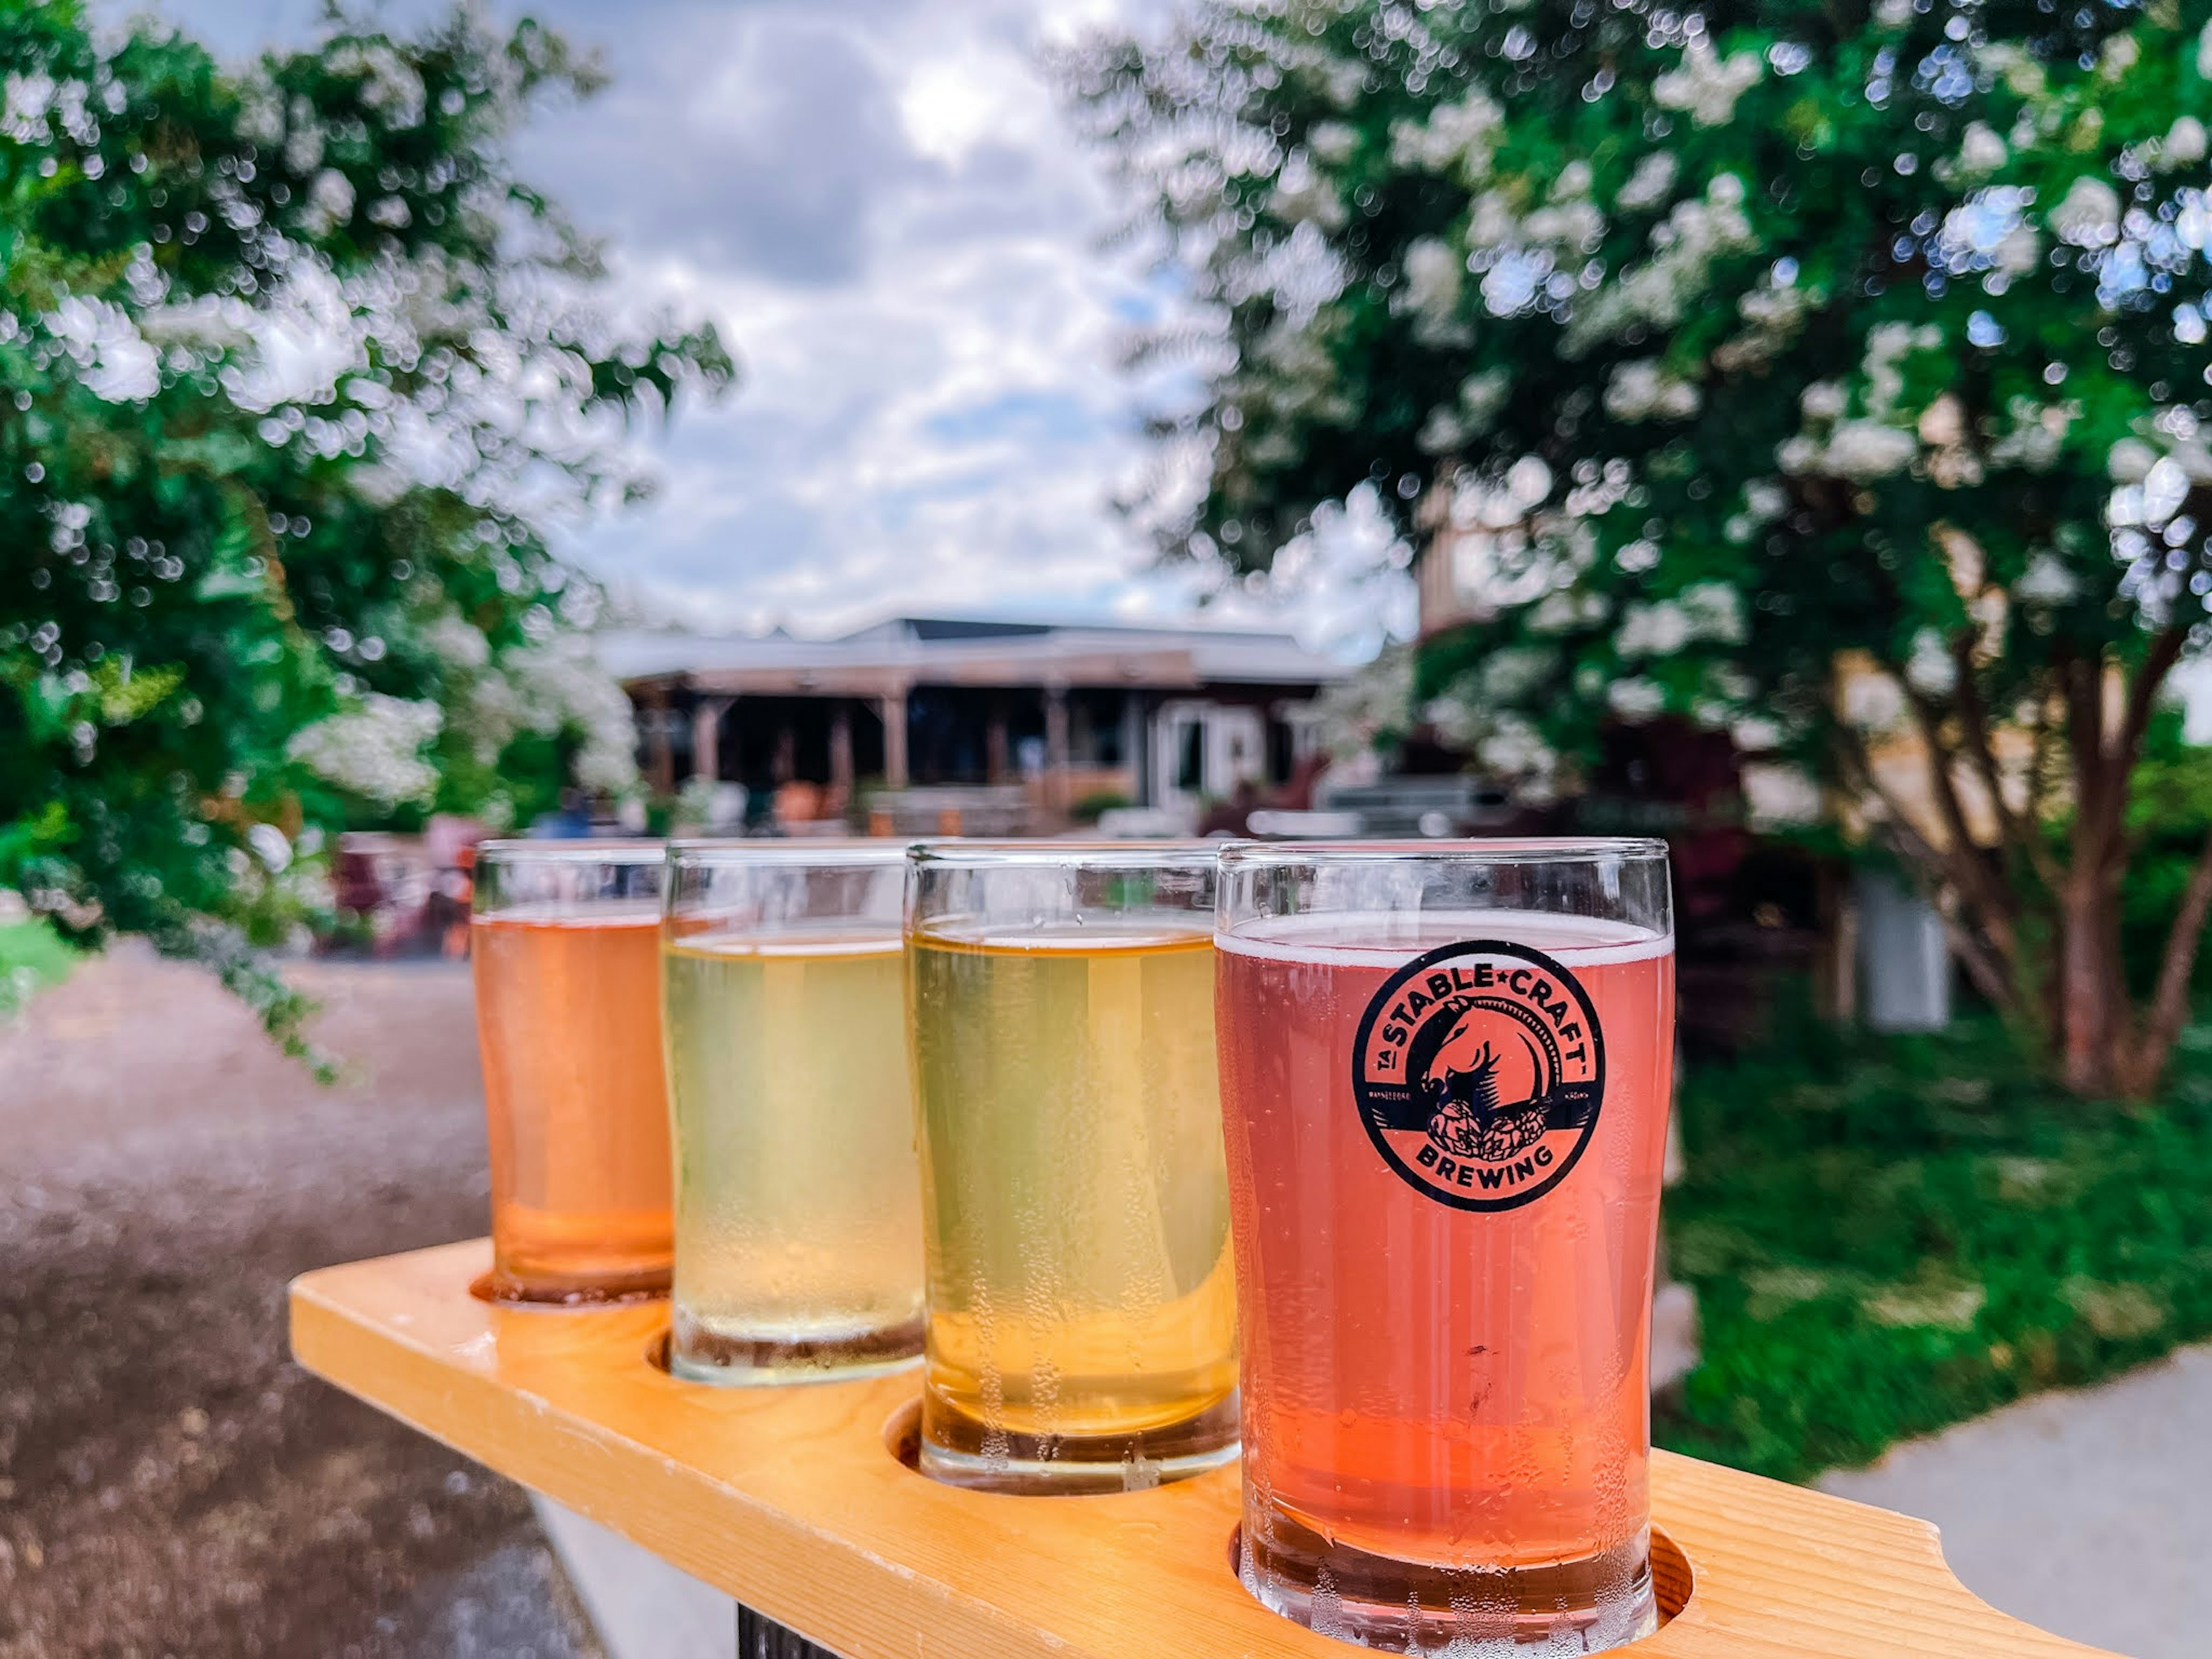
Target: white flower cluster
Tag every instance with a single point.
(1650, 183)
(2034, 433)
(32, 106)
(1449, 426)
(1659, 291)
(1764, 500)
(1303, 192)
(1379, 698)
(557, 686)
(113, 359)
(1515, 673)
(1645, 391)
(390, 85)
(1872, 447)
(1706, 84)
(374, 751)
(1435, 278)
(1506, 744)
(2089, 215)
(1981, 152)
(1635, 699)
(1775, 313)
(1990, 232)
(1457, 139)
(1710, 611)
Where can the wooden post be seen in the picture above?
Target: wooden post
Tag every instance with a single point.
(894, 713)
(660, 754)
(707, 737)
(1134, 761)
(841, 750)
(1056, 748)
(996, 764)
(763, 1638)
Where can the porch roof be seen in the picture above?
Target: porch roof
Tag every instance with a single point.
(892, 657)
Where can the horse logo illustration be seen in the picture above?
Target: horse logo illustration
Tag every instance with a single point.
(1480, 1072)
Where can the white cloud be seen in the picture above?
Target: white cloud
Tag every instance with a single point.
(882, 207)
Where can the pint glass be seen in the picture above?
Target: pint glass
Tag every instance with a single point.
(1082, 1303)
(798, 1204)
(565, 941)
(1445, 1076)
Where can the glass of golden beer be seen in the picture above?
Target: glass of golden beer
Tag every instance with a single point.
(565, 940)
(798, 1202)
(1082, 1303)
(1445, 1073)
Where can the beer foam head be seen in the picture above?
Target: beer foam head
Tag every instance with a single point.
(1382, 938)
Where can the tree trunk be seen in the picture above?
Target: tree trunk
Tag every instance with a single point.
(2085, 986)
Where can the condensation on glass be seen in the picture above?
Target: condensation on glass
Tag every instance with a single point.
(797, 1200)
(1446, 1070)
(565, 942)
(1082, 1301)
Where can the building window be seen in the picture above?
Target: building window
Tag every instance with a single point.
(1190, 761)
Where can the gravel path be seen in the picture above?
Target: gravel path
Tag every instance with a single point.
(170, 1483)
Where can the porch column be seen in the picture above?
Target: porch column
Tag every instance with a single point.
(840, 749)
(996, 761)
(659, 753)
(1055, 747)
(893, 706)
(707, 737)
(1134, 756)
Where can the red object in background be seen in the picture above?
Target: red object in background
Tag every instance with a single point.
(412, 893)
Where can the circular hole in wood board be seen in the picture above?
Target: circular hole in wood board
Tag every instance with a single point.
(1673, 1579)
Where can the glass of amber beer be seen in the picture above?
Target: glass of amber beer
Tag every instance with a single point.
(798, 1203)
(1081, 1300)
(1445, 1071)
(565, 939)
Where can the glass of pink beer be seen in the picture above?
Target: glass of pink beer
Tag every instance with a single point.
(1445, 1072)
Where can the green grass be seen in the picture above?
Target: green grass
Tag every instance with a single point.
(1890, 1235)
(32, 957)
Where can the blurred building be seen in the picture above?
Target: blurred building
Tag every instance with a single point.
(1065, 713)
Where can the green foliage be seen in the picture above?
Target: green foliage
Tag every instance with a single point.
(1890, 1235)
(32, 956)
(2170, 816)
(1095, 805)
(298, 372)
(1829, 374)
(1724, 339)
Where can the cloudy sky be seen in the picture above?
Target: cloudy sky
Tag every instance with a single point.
(879, 203)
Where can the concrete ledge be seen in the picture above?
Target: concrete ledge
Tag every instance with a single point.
(641, 1607)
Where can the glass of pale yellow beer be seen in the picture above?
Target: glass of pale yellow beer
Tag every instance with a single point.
(798, 1203)
(564, 939)
(1082, 1304)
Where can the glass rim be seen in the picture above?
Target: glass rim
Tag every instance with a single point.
(1502, 850)
(632, 850)
(699, 851)
(1040, 854)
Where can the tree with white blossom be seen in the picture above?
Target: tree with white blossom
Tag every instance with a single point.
(1732, 347)
(295, 376)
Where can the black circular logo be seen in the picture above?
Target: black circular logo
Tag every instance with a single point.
(1479, 1071)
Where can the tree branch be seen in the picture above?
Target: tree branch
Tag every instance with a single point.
(1997, 903)
(2025, 833)
(2115, 764)
(2169, 1003)
(1991, 974)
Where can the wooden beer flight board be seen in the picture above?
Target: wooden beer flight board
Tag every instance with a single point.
(795, 1501)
